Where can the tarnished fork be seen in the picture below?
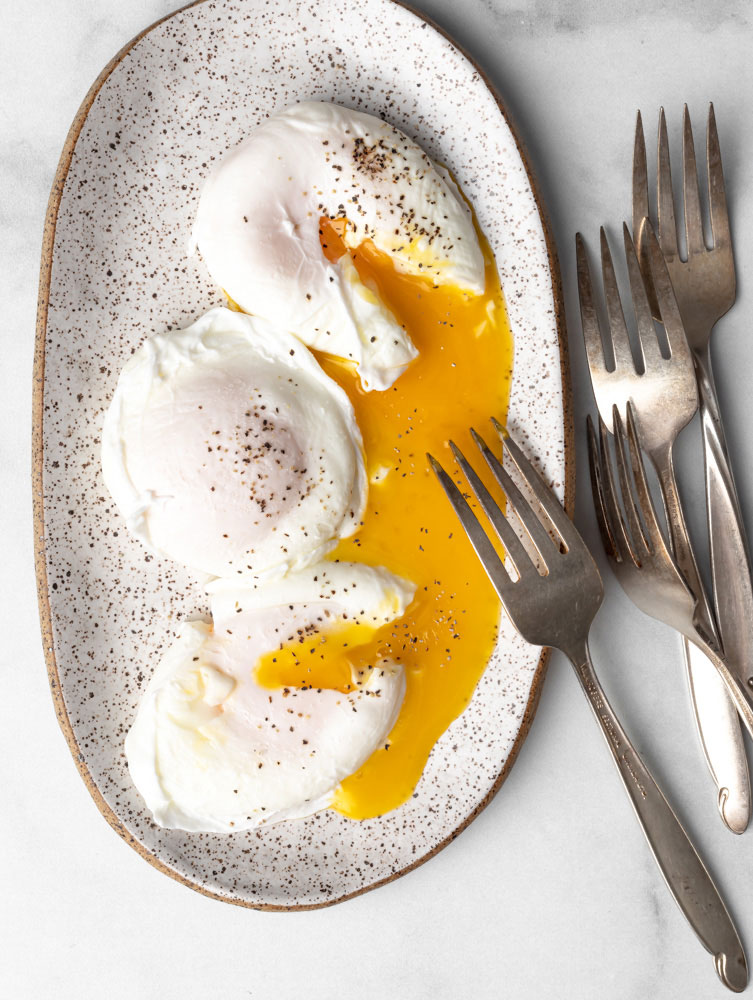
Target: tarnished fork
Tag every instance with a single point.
(704, 285)
(641, 559)
(664, 393)
(557, 609)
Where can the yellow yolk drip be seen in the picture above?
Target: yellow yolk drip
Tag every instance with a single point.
(322, 659)
(460, 378)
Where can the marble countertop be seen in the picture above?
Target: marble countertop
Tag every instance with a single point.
(552, 891)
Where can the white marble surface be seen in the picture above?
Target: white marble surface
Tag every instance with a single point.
(552, 891)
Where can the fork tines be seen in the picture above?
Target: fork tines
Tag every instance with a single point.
(655, 376)
(539, 603)
(636, 535)
(535, 516)
(633, 538)
(695, 242)
(617, 336)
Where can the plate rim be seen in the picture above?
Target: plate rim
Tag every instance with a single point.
(37, 472)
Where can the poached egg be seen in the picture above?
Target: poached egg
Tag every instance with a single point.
(460, 331)
(214, 748)
(228, 449)
(259, 230)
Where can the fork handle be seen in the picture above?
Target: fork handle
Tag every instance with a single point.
(721, 737)
(684, 872)
(730, 564)
(680, 541)
(714, 709)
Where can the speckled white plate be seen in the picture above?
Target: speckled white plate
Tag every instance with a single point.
(114, 270)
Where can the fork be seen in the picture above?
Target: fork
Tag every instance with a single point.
(665, 397)
(640, 557)
(557, 609)
(704, 285)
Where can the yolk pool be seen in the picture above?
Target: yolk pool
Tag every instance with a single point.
(460, 378)
(324, 659)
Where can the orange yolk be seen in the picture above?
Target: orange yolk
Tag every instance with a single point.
(460, 378)
(322, 659)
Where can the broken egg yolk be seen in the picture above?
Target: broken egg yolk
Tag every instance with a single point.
(460, 378)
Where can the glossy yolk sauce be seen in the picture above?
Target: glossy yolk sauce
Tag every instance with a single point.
(460, 378)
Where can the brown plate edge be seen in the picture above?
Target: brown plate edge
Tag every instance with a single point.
(37, 471)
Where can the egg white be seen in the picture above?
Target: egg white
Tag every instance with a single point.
(228, 449)
(212, 750)
(257, 228)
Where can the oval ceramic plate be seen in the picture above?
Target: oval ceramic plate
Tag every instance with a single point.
(115, 270)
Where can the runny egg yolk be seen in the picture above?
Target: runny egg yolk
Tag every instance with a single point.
(461, 378)
(323, 658)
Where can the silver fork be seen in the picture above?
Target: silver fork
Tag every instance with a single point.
(665, 397)
(704, 285)
(640, 557)
(543, 610)
(664, 393)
